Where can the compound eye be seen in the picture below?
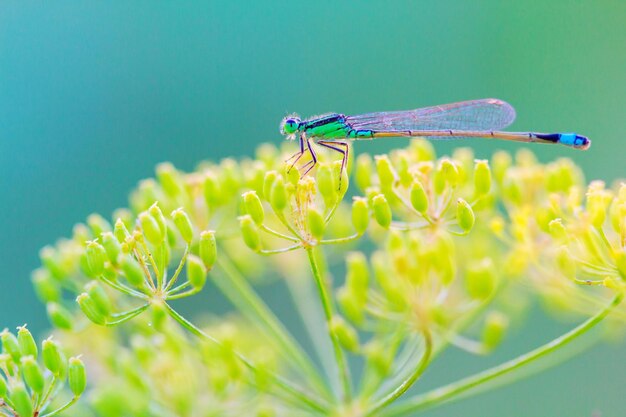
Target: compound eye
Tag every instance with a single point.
(290, 126)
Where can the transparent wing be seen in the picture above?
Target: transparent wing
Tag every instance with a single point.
(485, 114)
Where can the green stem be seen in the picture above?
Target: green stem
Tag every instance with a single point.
(341, 239)
(447, 392)
(344, 374)
(240, 293)
(127, 315)
(122, 288)
(407, 383)
(42, 401)
(62, 408)
(178, 270)
(287, 386)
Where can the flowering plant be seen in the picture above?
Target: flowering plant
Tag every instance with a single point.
(427, 254)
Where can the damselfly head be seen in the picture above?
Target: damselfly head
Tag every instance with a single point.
(289, 125)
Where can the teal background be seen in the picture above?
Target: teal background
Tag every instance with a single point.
(93, 94)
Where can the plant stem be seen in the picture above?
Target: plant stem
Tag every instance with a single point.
(172, 281)
(407, 383)
(447, 392)
(344, 373)
(62, 408)
(240, 293)
(287, 386)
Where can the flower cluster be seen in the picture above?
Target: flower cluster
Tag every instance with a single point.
(430, 253)
(32, 381)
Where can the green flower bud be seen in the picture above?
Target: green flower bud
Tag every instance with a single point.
(50, 260)
(382, 211)
(495, 328)
(386, 173)
(341, 173)
(89, 308)
(158, 217)
(121, 231)
(10, 345)
(32, 374)
(96, 255)
(482, 177)
(21, 400)
(77, 377)
(100, 298)
(196, 272)
(254, 207)
(212, 189)
(597, 204)
(363, 171)
(26, 341)
(111, 246)
(150, 228)
(159, 314)
(325, 178)
(278, 195)
(45, 287)
(350, 304)
(500, 162)
(52, 358)
(419, 199)
(439, 181)
(557, 230)
(316, 223)
(268, 182)
(132, 271)
(344, 333)
(81, 233)
(464, 215)
(379, 357)
(208, 248)
(250, 232)
(98, 224)
(357, 275)
(169, 179)
(59, 316)
(360, 215)
(183, 224)
(480, 279)
(450, 171)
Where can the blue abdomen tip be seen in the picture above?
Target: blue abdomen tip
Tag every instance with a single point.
(572, 139)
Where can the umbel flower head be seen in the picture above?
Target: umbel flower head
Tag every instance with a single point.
(421, 254)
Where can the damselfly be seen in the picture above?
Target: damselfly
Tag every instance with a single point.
(466, 119)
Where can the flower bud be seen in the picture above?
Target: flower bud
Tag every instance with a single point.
(49, 259)
(98, 224)
(268, 182)
(386, 173)
(59, 316)
(500, 162)
(360, 215)
(51, 356)
(316, 223)
(350, 304)
(77, 377)
(496, 325)
(379, 356)
(208, 248)
(254, 207)
(341, 172)
(557, 230)
(111, 246)
(32, 374)
(482, 177)
(382, 211)
(325, 180)
(159, 218)
(419, 199)
(21, 400)
(278, 194)
(183, 224)
(132, 271)
(357, 275)
(597, 203)
(89, 308)
(120, 231)
(450, 171)
(151, 230)
(10, 345)
(169, 179)
(464, 215)
(100, 298)
(96, 255)
(45, 287)
(196, 272)
(480, 279)
(211, 188)
(26, 341)
(344, 333)
(363, 171)
(250, 232)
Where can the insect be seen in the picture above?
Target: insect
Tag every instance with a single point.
(466, 119)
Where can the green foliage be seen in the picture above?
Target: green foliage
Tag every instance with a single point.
(452, 240)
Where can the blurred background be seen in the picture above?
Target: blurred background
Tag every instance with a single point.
(93, 94)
